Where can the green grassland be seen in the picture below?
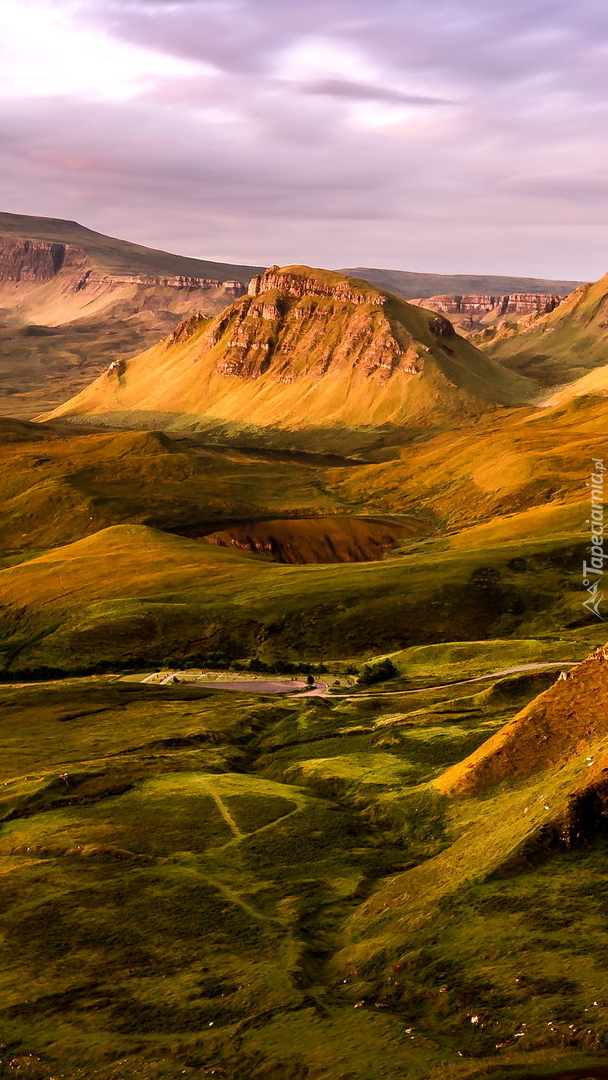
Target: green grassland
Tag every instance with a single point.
(180, 873)
(131, 593)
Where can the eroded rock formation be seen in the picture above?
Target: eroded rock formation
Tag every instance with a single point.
(478, 307)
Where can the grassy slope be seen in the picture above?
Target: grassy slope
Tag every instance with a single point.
(494, 925)
(126, 591)
(76, 484)
(476, 494)
(313, 381)
(311, 846)
(564, 345)
(410, 285)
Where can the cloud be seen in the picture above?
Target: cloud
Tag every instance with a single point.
(336, 131)
(354, 91)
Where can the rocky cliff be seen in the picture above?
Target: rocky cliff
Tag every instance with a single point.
(40, 261)
(305, 349)
(563, 345)
(298, 281)
(477, 309)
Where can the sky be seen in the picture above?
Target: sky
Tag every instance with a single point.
(450, 136)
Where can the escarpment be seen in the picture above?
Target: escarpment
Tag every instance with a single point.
(475, 310)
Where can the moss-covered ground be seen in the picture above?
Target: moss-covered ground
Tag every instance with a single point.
(180, 872)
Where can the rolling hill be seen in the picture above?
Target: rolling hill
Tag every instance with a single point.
(305, 351)
(400, 880)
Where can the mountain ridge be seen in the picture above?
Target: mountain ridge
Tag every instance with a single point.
(410, 285)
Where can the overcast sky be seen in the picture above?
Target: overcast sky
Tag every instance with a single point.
(438, 135)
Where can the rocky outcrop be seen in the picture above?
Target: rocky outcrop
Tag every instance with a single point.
(294, 281)
(297, 331)
(184, 331)
(34, 260)
(310, 349)
(478, 307)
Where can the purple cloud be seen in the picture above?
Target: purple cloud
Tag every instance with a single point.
(462, 135)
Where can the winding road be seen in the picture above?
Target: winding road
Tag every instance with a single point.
(322, 689)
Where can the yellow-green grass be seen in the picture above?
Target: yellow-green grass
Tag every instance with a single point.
(134, 592)
(453, 660)
(157, 903)
(495, 480)
(59, 486)
(187, 879)
(493, 921)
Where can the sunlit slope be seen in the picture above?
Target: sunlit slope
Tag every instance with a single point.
(131, 592)
(306, 349)
(491, 481)
(595, 383)
(507, 478)
(562, 346)
(58, 484)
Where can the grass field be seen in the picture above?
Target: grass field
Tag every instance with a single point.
(181, 873)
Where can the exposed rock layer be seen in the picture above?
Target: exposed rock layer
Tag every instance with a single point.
(477, 308)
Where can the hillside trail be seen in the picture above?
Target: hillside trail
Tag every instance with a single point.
(457, 682)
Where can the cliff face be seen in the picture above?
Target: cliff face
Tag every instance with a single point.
(478, 307)
(31, 260)
(40, 261)
(294, 281)
(65, 315)
(302, 325)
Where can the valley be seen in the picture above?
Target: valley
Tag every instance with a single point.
(210, 867)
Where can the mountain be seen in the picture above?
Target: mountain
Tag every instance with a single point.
(72, 299)
(410, 285)
(306, 350)
(561, 346)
